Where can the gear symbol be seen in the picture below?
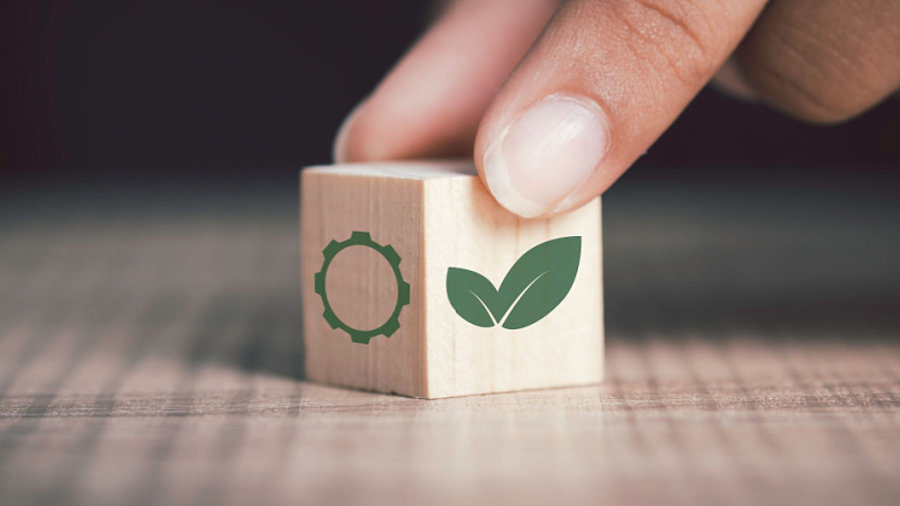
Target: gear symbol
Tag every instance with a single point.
(387, 251)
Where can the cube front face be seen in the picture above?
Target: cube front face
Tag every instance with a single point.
(362, 290)
(495, 303)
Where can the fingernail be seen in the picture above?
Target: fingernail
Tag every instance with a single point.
(339, 148)
(546, 154)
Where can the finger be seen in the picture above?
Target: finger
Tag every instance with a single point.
(731, 81)
(604, 80)
(824, 60)
(431, 102)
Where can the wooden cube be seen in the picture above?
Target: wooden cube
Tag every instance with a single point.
(415, 281)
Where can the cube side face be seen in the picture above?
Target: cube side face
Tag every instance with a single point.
(360, 246)
(466, 229)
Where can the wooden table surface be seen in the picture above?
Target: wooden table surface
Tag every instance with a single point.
(150, 354)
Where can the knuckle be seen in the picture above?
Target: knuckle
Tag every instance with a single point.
(677, 34)
(798, 94)
(810, 79)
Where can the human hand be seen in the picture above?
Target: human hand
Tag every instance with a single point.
(559, 98)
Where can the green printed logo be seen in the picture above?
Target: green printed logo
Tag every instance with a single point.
(387, 251)
(533, 287)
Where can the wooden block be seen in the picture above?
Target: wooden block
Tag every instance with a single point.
(394, 257)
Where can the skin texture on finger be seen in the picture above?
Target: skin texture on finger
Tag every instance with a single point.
(602, 83)
(824, 60)
(430, 104)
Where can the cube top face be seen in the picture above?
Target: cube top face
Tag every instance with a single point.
(415, 281)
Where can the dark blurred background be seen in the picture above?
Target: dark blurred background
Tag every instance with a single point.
(111, 85)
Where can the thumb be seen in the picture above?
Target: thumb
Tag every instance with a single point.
(600, 85)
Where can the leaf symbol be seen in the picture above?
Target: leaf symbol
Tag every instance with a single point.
(472, 296)
(537, 283)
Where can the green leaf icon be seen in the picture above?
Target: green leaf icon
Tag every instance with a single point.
(533, 287)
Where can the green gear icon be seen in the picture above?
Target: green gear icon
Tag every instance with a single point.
(387, 251)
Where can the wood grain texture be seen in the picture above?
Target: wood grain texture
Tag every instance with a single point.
(150, 354)
(333, 208)
(438, 216)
